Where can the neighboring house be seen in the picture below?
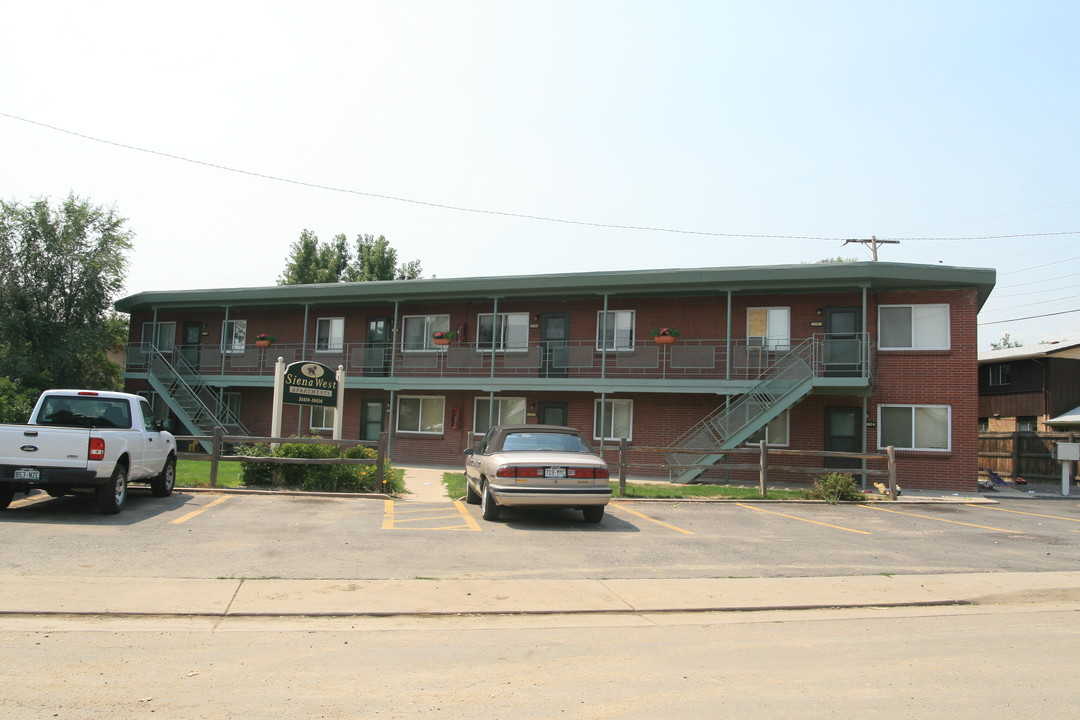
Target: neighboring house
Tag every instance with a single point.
(1029, 389)
(836, 356)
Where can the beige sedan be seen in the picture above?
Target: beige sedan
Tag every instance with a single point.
(536, 466)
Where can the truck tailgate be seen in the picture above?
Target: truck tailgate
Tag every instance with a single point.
(36, 446)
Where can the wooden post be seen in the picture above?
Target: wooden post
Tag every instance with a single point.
(763, 465)
(380, 462)
(215, 453)
(622, 467)
(892, 471)
(1014, 471)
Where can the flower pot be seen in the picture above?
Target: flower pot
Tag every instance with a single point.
(665, 339)
(441, 341)
(262, 343)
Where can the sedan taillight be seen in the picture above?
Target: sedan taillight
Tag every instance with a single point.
(524, 471)
(96, 451)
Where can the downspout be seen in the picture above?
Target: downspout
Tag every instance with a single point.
(603, 375)
(494, 342)
(224, 327)
(866, 372)
(303, 353)
(727, 345)
(391, 416)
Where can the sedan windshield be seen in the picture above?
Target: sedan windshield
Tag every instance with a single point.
(539, 442)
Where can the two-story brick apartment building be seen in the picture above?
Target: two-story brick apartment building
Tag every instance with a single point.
(835, 356)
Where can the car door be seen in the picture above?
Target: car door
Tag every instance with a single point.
(154, 448)
(474, 460)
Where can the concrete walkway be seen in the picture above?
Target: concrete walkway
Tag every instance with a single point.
(36, 595)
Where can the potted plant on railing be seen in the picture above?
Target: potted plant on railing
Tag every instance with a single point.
(264, 340)
(665, 336)
(443, 337)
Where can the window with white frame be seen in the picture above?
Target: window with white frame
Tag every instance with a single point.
(508, 331)
(233, 336)
(914, 427)
(613, 419)
(329, 334)
(417, 331)
(501, 411)
(1001, 374)
(913, 327)
(769, 327)
(775, 431)
(322, 417)
(615, 330)
(422, 414)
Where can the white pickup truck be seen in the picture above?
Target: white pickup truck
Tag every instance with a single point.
(87, 440)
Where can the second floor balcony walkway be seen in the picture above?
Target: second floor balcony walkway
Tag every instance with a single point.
(831, 356)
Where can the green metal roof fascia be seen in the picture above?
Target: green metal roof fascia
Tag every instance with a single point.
(790, 278)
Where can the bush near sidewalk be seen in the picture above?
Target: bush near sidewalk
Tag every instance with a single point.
(834, 487)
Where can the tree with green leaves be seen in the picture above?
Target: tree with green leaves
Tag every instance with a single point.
(61, 267)
(1005, 342)
(312, 261)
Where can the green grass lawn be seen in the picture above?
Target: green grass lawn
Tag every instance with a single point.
(455, 488)
(196, 473)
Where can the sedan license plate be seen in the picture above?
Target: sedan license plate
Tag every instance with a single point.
(27, 474)
(554, 472)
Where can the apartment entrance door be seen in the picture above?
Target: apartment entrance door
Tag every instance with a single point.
(843, 346)
(842, 430)
(555, 337)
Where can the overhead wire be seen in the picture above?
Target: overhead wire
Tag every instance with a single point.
(483, 211)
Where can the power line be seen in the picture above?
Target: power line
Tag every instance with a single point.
(1030, 317)
(481, 211)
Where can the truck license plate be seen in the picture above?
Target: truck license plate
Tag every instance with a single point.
(554, 472)
(27, 474)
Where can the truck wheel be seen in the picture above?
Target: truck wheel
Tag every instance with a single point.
(162, 485)
(7, 494)
(111, 495)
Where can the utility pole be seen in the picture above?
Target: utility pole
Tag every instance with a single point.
(873, 242)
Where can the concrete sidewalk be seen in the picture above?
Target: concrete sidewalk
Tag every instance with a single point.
(39, 595)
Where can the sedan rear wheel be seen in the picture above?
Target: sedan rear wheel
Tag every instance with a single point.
(488, 507)
(471, 496)
(593, 513)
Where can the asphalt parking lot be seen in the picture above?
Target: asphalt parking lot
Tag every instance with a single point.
(212, 535)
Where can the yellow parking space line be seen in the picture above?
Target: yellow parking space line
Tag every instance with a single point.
(1021, 512)
(646, 517)
(953, 522)
(395, 518)
(200, 511)
(812, 522)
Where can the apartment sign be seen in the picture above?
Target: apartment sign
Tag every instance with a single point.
(310, 383)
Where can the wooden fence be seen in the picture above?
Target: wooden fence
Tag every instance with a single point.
(219, 440)
(1029, 455)
(763, 465)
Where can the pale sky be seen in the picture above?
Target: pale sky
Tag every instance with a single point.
(825, 119)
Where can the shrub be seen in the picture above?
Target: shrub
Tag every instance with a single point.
(834, 487)
(317, 477)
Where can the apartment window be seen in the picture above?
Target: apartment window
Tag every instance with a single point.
(914, 427)
(322, 417)
(617, 333)
(500, 411)
(329, 334)
(913, 327)
(162, 335)
(421, 414)
(769, 327)
(233, 336)
(984, 424)
(774, 433)
(1027, 424)
(507, 331)
(613, 419)
(231, 401)
(418, 329)
(1000, 374)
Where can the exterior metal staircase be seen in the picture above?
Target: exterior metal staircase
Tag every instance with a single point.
(183, 389)
(779, 387)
